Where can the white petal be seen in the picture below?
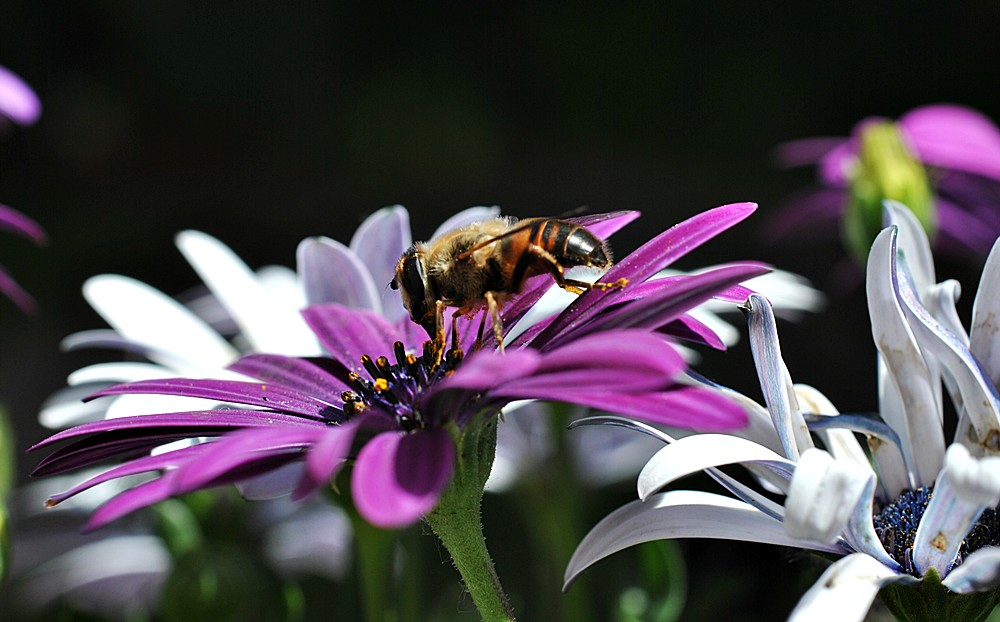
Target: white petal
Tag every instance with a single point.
(775, 381)
(467, 217)
(64, 408)
(964, 489)
(119, 372)
(315, 539)
(913, 243)
(273, 484)
(940, 300)
(283, 282)
(131, 405)
(978, 573)
(919, 426)
(679, 514)
(985, 333)
(702, 451)
(822, 496)
(271, 324)
(845, 592)
(378, 242)
(332, 272)
(860, 534)
(840, 443)
(143, 314)
(790, 294)
(978, 395)
(138, 563)
(893, 473)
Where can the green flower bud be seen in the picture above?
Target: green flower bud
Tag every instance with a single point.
(885, 169)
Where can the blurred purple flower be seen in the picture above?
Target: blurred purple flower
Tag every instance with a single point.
(17, 101)
(19, 104)
(16, 222)
(954, 188)
(607, 350)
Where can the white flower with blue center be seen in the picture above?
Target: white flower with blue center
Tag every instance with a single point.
(911, 512)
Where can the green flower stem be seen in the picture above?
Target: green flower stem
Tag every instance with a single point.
(457, 523)
(375, 549)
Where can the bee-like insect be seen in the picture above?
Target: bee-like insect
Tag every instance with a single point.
(481, 265)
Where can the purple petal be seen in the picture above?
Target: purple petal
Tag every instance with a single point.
(954, 137)
(325, 457)
(806, 150)
(17, 101)
(320, 408)
(808, 213)
(649, 259)
(485, 369)
(234, 451)
(607, 224)
(16, 222)
(691, 329)
(686, 407)
(331, 272)
(679, 295)
(625, 360)
(960, 229)
(399, 478)
(312, 376)
(132, 435)
(347, 334)
(135, 498)
(17, 295)
(145, 464)
(835, 166)
(378, 243)
(196, 420)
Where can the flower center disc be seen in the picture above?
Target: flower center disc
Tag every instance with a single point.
(896, 526)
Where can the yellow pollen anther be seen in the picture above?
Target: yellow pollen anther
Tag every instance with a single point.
(381, 384)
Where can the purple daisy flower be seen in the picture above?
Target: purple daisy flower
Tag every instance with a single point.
(399, 417)
(942, 161)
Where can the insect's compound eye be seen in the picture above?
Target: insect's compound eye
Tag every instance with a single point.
(411, 275)
(410, 280)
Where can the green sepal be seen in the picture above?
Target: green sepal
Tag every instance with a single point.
(930, 601)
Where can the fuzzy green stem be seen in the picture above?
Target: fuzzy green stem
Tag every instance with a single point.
(456, 519)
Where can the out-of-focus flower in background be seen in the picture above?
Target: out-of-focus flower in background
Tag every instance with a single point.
(942, 161)
(907, 513)
(18, 103)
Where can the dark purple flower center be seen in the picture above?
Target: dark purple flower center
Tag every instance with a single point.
(896, 526)
(394, 388)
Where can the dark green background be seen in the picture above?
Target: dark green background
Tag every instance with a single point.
(263, 123)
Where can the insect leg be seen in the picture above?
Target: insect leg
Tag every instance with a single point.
(574, 286)
(494, 310)
(439, 329)
(479, 334)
